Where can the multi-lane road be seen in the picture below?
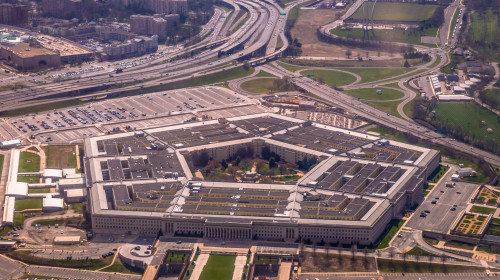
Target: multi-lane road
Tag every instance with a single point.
(265, 24)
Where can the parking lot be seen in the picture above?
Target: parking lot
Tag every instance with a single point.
(141, 111)
(441, 215)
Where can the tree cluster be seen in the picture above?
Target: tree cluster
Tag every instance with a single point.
(415, 55)
(307, 163)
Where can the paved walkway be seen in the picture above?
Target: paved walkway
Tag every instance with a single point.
(200, 264)
(239, 265)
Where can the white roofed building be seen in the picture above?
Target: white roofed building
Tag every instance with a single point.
(75, 195)
(8, 211)
(53, 174)
(17, 189)
(51, 204)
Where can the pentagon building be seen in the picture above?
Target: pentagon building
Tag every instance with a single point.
(140, 182)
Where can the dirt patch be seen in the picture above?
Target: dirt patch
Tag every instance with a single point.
(333, 263)
(305, 28)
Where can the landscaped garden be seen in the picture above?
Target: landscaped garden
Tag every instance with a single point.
(243, 167)
(487, 196)
(470, 224)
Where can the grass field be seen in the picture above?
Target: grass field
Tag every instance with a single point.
(263, 85)
(482, 210)
(493, 230)
(371, 93)
(395, 226)
(218, 267)
(330, 77)
(39, 190)
(304, 30)
(397, 266)
(410, 36)
(493, 95)
(29, 162)
(459, 245)
(389, 134)
(421, 252)
(32, 203)
(484, 30)
(119, 267)
(390, 107)
(28, 179)
(375, 74)
(290, 67)
(491, 249)
(41, 108)
(468, 116)
(393, 62)
(219, 77)
(60, 156)
(264, 74)
(480, 177)
(397, 11)
(27, 257)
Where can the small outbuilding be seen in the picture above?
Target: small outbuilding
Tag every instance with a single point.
(51, 204)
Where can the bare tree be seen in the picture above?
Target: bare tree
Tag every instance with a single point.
(354, 248)
(339, 250)
(348, 53)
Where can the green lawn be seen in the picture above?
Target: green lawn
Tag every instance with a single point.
(32, 203)
(371, 93)
(29, 162)
(459, 245)
(120, 267)
(60, 156)
(263, 85)
(375, 74)
(390, 107)
(397, 136)
(27, 257)
(492, 97)
(290, 67)
(395, 226)
(421, 252)
(410, 36)
(489, 249)
(480, 178)
(397, 11)
(41, 108)
(28, 179)
(493, 230)
(468, 116)
(437, 173)
(39, 190)
(431, 241)
(482, 210)
(484, 30)
(330, 77)
(264, 74)
(219, 77)
(396, 266)
(218, 267)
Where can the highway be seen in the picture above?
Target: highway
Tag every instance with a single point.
(361, 109)
(259, 32)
